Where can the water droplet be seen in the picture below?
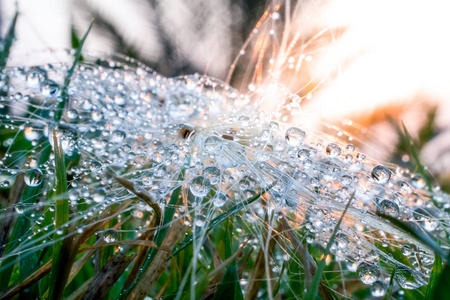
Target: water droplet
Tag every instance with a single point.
(49, 88)
(333, 150)
(110, 235)
(368, 272)
(99, 194)
(72, 114)
(381, 174)
(33, 177)
(200, 186)
(303, 154)
(294, 136)
(35, 77)
(408, 279)
(200, 220)
(213, 144)
(389, 208)
(20, 208)
(118, 136)
(220, 199)
(406, 250)
(213, 174)
(378, 289)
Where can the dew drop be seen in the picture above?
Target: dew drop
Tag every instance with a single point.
(118, 136)
(389, 208)
(294, 136)
(33, 177)
(368, 272)
(219, 199)
(378, 289)
(213, 174)
(200, 220)
(200, 186)
(110, 235)
(99, 194)
(333, 150)
(407, 278)
(49, 88)
(212, 144)
(381, 174)
(20, 208)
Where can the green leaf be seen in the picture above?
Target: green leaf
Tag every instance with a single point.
(229, 287)
(414, 153)
(8, 41)
(277, 285)
(391, 285)
(312, 293)
(62, 249)
(417, 233)
(441, 290)
(434, 277)
(64, 90)
(159, 238)
(219, 219)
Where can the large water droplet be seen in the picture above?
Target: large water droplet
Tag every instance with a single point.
(110, 235)
(408, 279)
(99, 194)
(294, 136)
(49, 88)
(35, 77)
(213, 174)
(200, 186)
(20, 208)
(200, 220)
(381, 174)
(212, 144)
(389, 208)
(33, 177)
(118, 136)
(378, 289)
(368, 272)
(333, 150)
(219, 199)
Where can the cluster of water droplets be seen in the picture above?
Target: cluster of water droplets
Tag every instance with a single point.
(123, 119)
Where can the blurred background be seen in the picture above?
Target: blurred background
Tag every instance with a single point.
(374, 62)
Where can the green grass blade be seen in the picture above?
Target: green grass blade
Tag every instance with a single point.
(229, 287)
(65, 88)
(159, 238)
(417, 233)
(277, 285)
(391, 285)
(216, 221)
(441, 290)
(8, 41)
(312, 293)
(434, 277)
(61, 250)
(414, 153)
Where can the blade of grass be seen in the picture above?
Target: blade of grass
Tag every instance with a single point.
(277, 285)
(229, 287)
(391, 285)
(417, 233)
(219, 219)
(8, 41)
(65, 88)
(414, 153)
(311, 295)
(434, 277)
(63, 254)
(159, 238)
(13, 198)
